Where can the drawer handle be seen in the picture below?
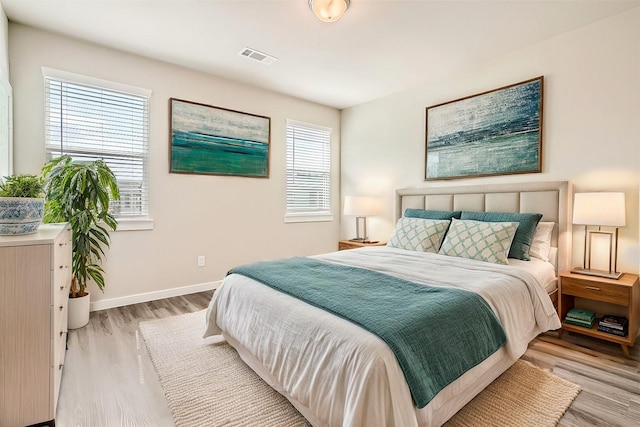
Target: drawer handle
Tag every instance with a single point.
(60, 366)
(61, 333)
(61, 287)
(61, 307)
(592, 288)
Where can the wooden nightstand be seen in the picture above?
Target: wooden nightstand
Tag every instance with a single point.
(351, 244)
(624, 292)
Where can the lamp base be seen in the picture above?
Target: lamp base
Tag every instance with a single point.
(599, 273)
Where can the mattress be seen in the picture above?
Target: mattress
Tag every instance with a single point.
(336, 373)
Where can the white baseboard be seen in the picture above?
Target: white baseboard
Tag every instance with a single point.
(103, 304)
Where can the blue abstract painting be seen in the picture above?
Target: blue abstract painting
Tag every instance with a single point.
(493, 133)
(217, 141)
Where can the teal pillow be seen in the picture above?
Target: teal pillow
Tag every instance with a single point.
(427, 214)
(524, 234)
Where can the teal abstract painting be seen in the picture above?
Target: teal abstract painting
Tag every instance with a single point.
(218, 141)
(497, 132)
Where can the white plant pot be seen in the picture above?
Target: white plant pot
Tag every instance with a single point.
(79, 312)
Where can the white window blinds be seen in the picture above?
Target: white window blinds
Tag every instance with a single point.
(308, 169)
(90, 122)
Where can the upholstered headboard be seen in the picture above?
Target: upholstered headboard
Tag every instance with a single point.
(551, 199)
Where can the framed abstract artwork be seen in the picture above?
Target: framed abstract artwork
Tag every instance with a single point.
(498, 132)
(217, 141)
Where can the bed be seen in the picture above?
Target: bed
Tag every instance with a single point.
(338, 373)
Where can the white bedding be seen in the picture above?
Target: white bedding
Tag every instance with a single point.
(542, 270)
(338, 374)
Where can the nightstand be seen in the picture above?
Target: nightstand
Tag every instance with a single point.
(624, 292)
(352, 244)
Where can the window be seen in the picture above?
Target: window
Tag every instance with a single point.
(308, 172)
(91, 119)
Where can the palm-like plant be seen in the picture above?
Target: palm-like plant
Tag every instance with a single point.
(79, 193)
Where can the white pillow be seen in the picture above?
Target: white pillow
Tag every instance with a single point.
(484, 241)
(541, 244)
(418, 234)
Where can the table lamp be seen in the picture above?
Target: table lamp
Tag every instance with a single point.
(361, 207)
(601, 210)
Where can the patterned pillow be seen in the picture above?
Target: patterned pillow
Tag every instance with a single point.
(484, 241)
(417, 234)
(524, 234)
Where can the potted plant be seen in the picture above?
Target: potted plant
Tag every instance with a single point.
(79, 192)
(21, 204)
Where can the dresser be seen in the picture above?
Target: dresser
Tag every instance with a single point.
(35, 275)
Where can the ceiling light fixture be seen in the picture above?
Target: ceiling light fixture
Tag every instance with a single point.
(329, 10)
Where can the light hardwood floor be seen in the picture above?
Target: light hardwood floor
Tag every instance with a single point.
(109, 379)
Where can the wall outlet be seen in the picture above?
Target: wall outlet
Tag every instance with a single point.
(201, 261)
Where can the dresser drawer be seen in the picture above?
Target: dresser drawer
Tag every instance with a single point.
(62, 250)
(60, 289)
(61, 267)
(59, 347)
(60, 319)
(598, 291)
(57, 379)
(60, 344)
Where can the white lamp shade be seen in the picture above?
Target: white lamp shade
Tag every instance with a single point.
(605, 209)
(360, 206)
(329, 10)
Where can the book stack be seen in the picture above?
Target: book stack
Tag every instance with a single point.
(579, 317)
(616, 325)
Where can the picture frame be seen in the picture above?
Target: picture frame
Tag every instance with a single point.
(209, 140)
(497, 132)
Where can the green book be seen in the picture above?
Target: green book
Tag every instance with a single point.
(579, 314)
(578, 322)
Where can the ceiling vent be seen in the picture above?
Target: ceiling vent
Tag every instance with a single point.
(247, 52)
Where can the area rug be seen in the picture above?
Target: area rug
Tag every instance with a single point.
(207, 384)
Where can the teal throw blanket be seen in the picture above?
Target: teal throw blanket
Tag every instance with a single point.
(437, 334)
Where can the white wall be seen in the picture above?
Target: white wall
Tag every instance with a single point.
(4, 43)
(590, 130)
(6, 155)
(230, 220)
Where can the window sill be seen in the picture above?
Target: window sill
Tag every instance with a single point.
(308, 217)
(134, 224)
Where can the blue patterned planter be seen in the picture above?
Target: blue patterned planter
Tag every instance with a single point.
(20, 215)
